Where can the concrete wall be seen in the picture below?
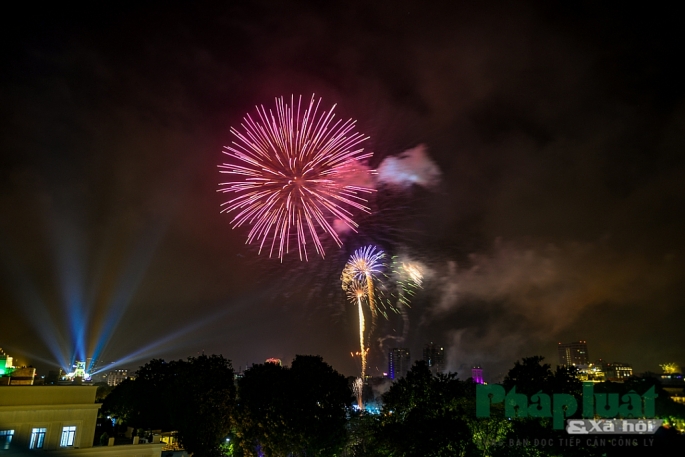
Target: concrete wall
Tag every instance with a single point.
(126, 450)
(47, 395)
(23, 408)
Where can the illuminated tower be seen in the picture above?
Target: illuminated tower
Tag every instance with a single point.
(573, 354)
(434, 356)
(79, 372)
(477, 374)
(398, 362)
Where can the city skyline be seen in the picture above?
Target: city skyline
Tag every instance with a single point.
(529, 165)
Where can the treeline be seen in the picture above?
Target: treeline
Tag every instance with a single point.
(306, 410)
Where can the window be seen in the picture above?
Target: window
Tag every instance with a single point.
(68, 436)
(6, 438)
(37, 438)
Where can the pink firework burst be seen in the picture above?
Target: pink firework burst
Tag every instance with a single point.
(293, 174)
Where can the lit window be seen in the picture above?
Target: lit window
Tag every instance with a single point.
(68, 436)
(37, 438)
(6, 438)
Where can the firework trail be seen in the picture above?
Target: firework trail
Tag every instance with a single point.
(295, 174)
(356, 292)
(358, 276)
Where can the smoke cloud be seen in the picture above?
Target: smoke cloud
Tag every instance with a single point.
(412, 166)
(514, 300)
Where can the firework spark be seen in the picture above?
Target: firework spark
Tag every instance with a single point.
(358, 388)
(365, 265)
(358, 276)
(408, 276)
(291, 177)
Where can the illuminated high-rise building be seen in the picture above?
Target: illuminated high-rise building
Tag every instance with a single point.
(477, 374)
(573, 354)
(617, 371)
(434, 356)
(116, 377)
(6, 361)
(398, 362)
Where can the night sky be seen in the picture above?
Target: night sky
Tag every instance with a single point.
(556, 213)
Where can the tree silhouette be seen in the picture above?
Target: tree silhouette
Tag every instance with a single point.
(425, 415)
(194, 397)
(294, 411)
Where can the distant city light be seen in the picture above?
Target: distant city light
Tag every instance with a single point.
(79, 372)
